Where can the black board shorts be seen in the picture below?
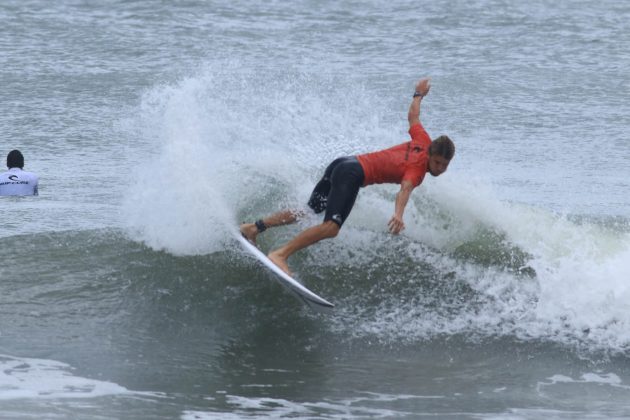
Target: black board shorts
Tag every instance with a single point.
(338, 189)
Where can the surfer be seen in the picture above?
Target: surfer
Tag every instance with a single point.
(405, 164)
(17, 181)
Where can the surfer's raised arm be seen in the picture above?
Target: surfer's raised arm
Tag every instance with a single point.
(422, 89)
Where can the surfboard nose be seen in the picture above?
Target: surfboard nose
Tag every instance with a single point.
(297, 289)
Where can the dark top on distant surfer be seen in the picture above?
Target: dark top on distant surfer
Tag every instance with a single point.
(405, 164)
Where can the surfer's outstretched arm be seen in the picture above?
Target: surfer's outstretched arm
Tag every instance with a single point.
(396, 223)
(422, 89)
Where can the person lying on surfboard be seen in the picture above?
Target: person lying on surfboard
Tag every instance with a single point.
(405, 164)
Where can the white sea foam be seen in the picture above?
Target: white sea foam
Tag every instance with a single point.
(605, 390)
(228, 145)
(581, 268)
(360, 406)
(579, 294)
(28, 378)
(590, 377)
(224, 140)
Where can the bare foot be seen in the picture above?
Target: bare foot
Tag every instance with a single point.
(249, 231)
(280, 261)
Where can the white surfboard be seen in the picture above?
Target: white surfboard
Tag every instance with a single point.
(296, 288)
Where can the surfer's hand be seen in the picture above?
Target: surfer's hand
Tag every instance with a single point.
(396, 225)
(423, 86)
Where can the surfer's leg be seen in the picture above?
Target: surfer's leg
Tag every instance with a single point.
(345, 181)
(317, 202)
(328, 229)
(319, 197)
(285, 217)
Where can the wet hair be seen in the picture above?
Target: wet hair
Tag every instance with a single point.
(15, 159)
(442, 146)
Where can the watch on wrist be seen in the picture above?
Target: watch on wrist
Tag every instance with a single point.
(416, 94)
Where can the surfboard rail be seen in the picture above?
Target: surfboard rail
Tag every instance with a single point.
(297, 289)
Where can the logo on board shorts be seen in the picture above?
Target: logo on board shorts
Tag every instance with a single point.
(337, 218)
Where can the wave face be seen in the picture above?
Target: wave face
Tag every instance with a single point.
(469, 261)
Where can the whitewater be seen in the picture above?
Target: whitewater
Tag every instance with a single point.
(156, 128)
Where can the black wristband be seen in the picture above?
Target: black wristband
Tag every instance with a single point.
(260, 225)
(416, 94)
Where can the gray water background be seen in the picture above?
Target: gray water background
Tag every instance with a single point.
(122, 297)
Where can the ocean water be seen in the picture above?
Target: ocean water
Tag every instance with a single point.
(158, 126)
